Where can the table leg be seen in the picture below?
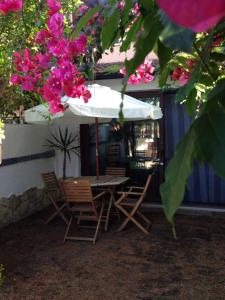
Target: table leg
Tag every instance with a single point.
(108, 210)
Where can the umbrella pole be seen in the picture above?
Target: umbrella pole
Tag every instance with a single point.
(97, 148)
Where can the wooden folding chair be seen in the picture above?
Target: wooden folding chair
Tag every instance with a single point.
(130, 206)
(83, 206)
(53, 191)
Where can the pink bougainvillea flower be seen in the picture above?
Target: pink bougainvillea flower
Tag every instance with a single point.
(191, 63)
(198, 15)
(148, 78)
(28, 83)
(15, 79)
(184, 77)
(135, 79)
(176, 73)
(7, 6)
(54, 85)
(86, 94)
(42, 36)
(121, 5)
(23, 63)
(143, 74)
(54, 6)
(42, 60)
(57, 47)
(77, 46)
(56, 106)
(55, 25)
(52, 72)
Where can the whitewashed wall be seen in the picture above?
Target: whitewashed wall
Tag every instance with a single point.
(27, 139)
(116, 84)
(73, 166)
(24, 140)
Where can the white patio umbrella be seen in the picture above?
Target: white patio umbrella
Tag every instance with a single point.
(102, 107)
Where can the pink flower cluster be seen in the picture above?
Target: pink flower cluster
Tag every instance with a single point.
(143, 74)
(7, 6)
(52, 72)
(181, 74)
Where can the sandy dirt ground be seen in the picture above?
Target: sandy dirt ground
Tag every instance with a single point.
(126, 265)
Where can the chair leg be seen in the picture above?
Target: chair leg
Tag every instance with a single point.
(145, 219)
(68, 228)
(58, 212)
(130, 218)
(108, 213)
(78, 219)
(99, 223)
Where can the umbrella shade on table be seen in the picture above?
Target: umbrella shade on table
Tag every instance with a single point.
(102, 107)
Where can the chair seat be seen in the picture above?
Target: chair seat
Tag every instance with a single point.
(82, 207)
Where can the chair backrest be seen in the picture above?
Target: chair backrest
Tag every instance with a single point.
(147, 183)
(143, 194)
(115, 171)
(112, 154)
(50, 181)
(77, 191)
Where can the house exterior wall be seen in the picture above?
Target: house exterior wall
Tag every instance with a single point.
(25, 158)
(73, 165)
(21, 187)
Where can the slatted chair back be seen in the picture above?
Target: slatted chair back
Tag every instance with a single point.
(112, 154)
(147, 184)
(50, 181)
(77, 191)
(115, 171)
(54, 194)
(83, 206)
(144, 192)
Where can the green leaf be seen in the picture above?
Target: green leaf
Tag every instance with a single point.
(147, 4)
(176, 175)
(176, 37)
(131, 35)
(191, 103)
(185, 90)
(126, 12)
(110, 29)
(83, 21)
(145, 43)
(211, 138)
(163, 76)
(164, 54)
(219, 91)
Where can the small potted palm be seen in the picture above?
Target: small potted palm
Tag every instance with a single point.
(66, 143)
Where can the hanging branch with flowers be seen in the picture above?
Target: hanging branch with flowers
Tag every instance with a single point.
(53, 70)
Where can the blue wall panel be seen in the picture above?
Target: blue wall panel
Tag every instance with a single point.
(203, 186)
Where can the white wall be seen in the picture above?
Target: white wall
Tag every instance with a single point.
(73, 166)
(116, 84)
(24, 140)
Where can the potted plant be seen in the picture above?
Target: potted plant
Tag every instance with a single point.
(66, 143)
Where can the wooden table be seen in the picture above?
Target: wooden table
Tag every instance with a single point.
(110, 183)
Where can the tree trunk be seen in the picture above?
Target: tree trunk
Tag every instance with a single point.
(64, 164)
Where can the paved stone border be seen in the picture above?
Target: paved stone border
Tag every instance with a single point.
(15, 208)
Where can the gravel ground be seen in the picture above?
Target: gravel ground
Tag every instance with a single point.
(126, 265)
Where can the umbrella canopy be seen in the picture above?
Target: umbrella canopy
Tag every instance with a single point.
(104, 105)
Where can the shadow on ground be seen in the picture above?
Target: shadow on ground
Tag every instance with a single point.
(127, 265)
